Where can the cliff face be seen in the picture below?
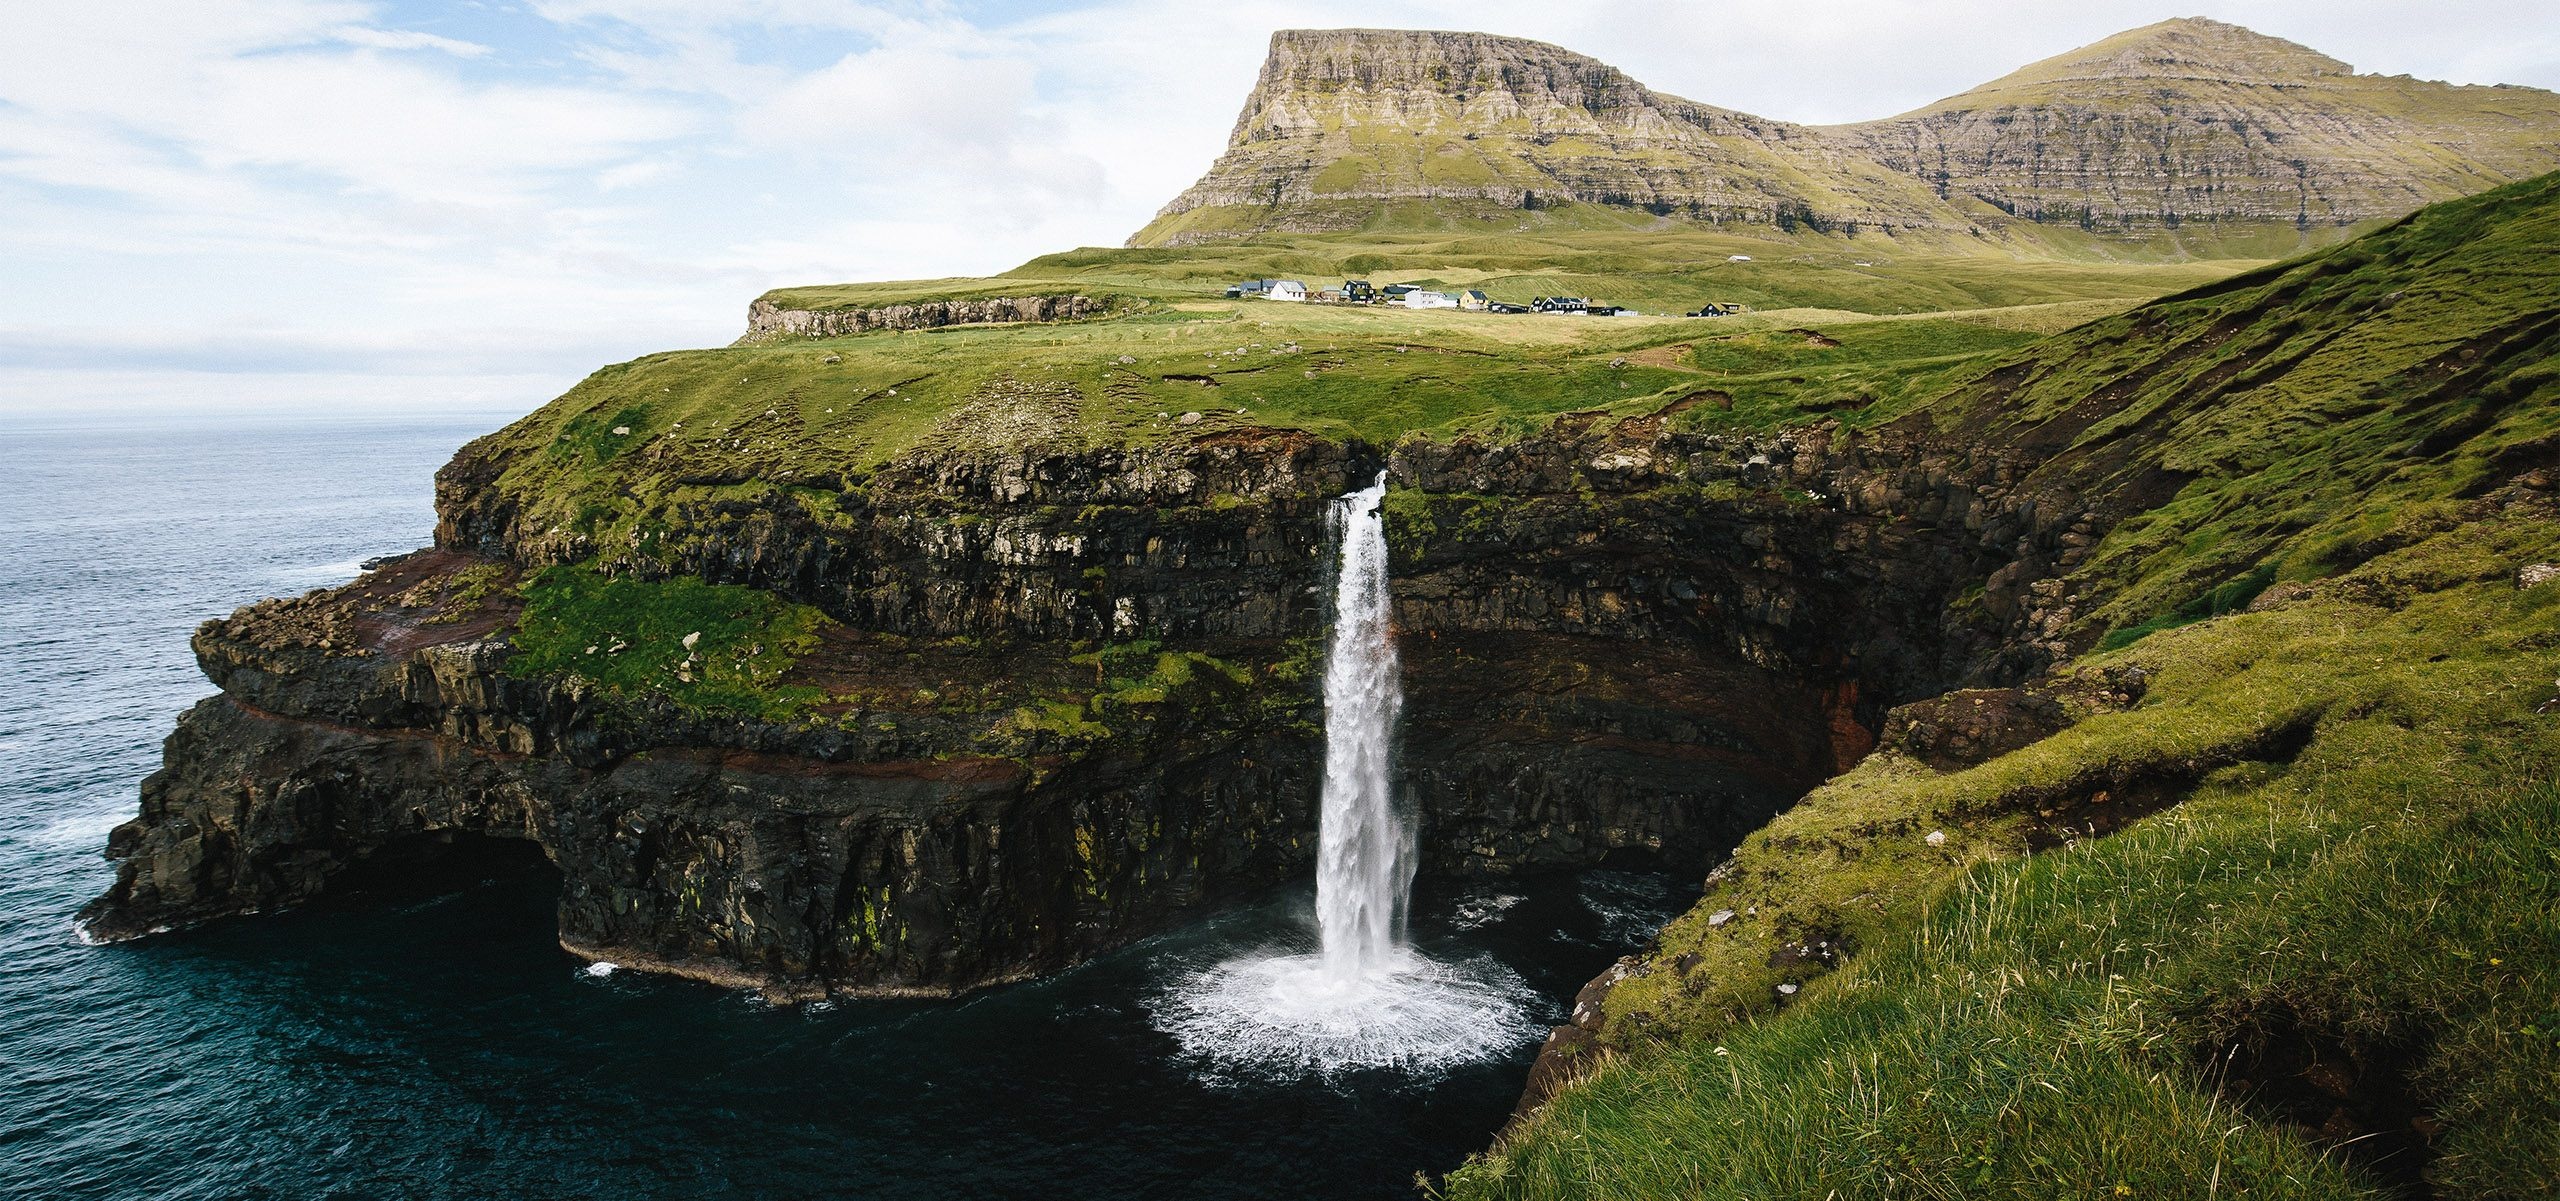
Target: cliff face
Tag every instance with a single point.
(1623, 644)
(2186, 121)
(1342, 122)
(766, 319)
(881, 857)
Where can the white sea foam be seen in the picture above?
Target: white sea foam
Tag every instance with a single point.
(601, 969)
(1475, 913)
(1291, 1016)
(1628, 911)
(314, 575)
(84, 829)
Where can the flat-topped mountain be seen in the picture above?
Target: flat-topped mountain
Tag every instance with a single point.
(1345, 123)
(2184, 121)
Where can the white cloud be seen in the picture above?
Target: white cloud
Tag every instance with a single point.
(406, 39)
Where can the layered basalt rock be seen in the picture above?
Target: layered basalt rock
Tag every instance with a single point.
(878, 856)
(2195, 120)
(1343, 121)
(2185, 121)
(767, 321)
(1623, 644)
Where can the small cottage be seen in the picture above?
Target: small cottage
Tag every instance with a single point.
(1287, 289)
(1421, 299)
(1474, 301)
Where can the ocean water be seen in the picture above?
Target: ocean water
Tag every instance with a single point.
(430, 1039)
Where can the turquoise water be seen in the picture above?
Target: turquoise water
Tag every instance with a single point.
(432, 1041)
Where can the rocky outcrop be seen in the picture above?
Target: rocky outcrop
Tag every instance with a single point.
(767, 321)
(886, 855)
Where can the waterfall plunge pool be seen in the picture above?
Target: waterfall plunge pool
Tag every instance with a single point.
(1365, 998)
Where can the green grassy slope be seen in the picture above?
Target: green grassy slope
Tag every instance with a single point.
(2316, 413)
(2057, 1025)
(2333, 965)
(1631, 258)
(740, 422)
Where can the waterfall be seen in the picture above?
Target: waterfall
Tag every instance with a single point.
(1364, 858)
(1364, 1000)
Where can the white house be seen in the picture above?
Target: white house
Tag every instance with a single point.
(1430, 300)
(1288, 289)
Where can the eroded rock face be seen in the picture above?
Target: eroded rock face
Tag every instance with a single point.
(2185, 121)
(1342, 120)
(1622, 644)
(871, 857)
(766, 320)
(2199, 121)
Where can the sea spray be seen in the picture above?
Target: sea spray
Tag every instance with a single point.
(1364, 1000)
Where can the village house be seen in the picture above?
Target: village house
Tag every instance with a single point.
(1358, 291)
(1474, 301)
(1286, 289)
(1423, 299)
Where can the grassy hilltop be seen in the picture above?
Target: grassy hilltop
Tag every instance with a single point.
(1836, 328)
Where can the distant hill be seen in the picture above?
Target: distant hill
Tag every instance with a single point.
(2198, 120)
(2181, 122)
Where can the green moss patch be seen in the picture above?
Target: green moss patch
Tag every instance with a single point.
(712, 647)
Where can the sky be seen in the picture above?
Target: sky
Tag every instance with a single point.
(343, 205)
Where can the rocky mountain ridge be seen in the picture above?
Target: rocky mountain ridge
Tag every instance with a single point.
(2181, 122)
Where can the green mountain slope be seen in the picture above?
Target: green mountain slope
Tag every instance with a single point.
(2196, 120)
(2326, 965)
